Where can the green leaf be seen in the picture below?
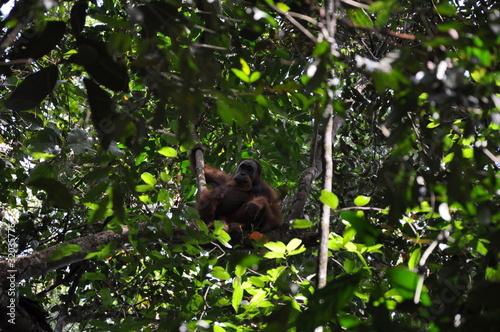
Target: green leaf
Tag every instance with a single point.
(241, 75)
(301, 223)
(405, 284)
(237, 294)
(195, 303)
(168, 152)
(278, 247)
(240, 270)
(245, 67)
(219, 273)
(106, 298)
(257, 297)
(254, 76)
(362, 200)
(349, 246)
(222, 236)
(293, 244)
(360, 18)
(414, 258)
(329, 199)
(64, 250)
(349, 321)
(283, 7)
(142, 188)
(321, 48)
(148, 178)
(365, 232)
(404, 279)
(350, 266)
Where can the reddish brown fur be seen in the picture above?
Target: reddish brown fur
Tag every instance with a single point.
(243, 201)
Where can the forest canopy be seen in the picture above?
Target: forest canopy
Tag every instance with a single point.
(376, 122)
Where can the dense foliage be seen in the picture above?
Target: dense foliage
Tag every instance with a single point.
(100, 100)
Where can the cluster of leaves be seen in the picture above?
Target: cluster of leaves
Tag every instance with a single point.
(100, 99)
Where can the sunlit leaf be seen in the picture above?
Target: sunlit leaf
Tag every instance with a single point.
(329, 199)
(241, 75)
(168, 152)
(301, 223)
(255, 76)
(362, 200)
(237, 294)
(148, 178)
(219, 273)
(283, 7)
(245, 68)
(278, 247)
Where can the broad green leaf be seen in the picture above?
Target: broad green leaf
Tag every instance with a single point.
(257, 281)
(255, 76)
(350, 266)
(365, 232)
(481, 248)
(142, 188)
(322, 48)
(351, 247)
(148, 178)
(433, 124)
(405, 284)
(195, 303)
(278, 247)
(362, 200)
(219, 273)
(168, 152)
(258, 295)
(374, 248)
(300, 250)
(241, 75)
(222, 236)
(240, 270)
(293, 244)
(360, 18)
(349, 321)
(329, 199)
(105, 252)
(273, 254)
(301, 223)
